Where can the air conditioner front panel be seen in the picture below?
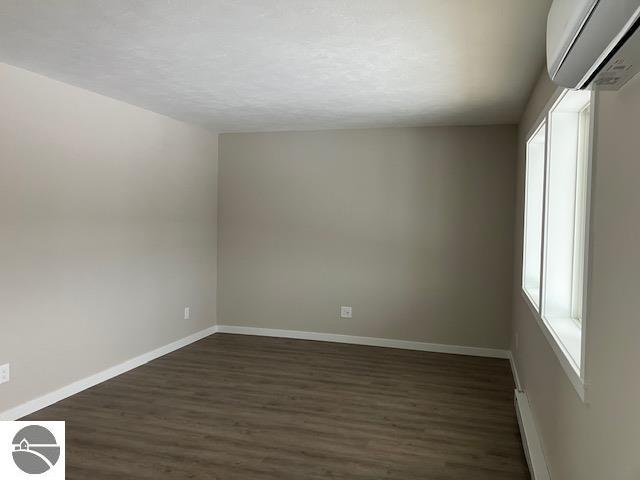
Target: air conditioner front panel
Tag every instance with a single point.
(596, 36)
(566, 19)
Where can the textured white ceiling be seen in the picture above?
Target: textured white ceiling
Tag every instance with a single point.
(256, 65)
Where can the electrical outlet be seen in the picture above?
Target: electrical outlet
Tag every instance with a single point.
(4, 373)
(345, 312)
(187, 313)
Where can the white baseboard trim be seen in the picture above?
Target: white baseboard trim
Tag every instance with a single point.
(530, 439)
(371, 341)
(88, 382)
(76, 387)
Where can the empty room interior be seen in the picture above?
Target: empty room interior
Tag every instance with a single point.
(319, 239)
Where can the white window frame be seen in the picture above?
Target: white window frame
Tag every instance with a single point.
(576, 373)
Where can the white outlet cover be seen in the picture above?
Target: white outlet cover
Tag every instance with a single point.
(187, 313)
(345, 312)
(5, 373)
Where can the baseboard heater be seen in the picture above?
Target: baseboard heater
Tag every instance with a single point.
(530, 438)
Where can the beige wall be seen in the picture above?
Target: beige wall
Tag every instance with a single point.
(108, 229)
(599, 439)
(412, 227)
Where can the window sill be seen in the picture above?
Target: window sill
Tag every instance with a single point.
(565, 338)
(532, 294)
(568, 332)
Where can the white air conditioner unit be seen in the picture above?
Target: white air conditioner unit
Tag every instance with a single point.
(593, 42)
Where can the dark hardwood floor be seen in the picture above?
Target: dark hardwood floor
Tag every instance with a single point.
(241, 407)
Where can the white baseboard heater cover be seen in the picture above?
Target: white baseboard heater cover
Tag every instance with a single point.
(530, 439)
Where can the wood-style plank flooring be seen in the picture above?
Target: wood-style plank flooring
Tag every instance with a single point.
(242, 407)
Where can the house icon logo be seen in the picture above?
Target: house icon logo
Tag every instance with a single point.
(35, 449)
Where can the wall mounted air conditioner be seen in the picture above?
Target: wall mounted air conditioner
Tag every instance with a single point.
(593, 42)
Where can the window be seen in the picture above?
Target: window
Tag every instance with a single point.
(555, 231)
(534, 190)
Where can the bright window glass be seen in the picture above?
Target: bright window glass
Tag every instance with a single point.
(534, 195)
